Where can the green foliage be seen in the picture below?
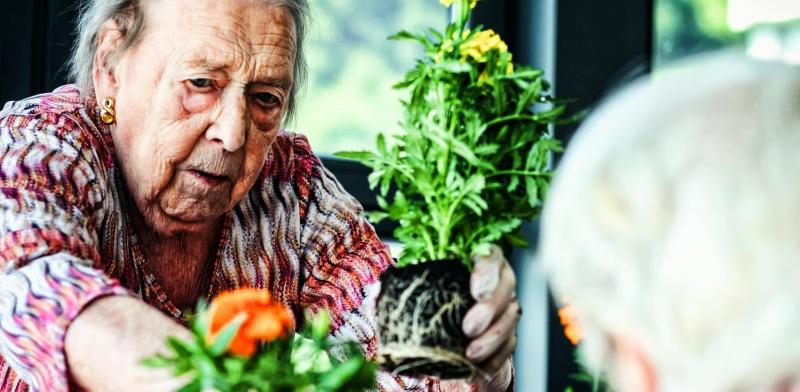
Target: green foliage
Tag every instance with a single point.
(472, 162)
(353, 67)
(595, 382)
(300, 363)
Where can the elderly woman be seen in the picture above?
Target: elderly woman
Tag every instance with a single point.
(672, 229)
(163, 178)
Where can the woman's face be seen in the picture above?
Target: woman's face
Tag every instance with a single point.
(198, 101)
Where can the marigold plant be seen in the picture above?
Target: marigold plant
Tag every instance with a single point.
(246, 342)
(472, 162)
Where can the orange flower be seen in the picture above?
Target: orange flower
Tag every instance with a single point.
(262, 320)
(571, 329)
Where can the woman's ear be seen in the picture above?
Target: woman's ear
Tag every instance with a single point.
(633, 370)
(109, 39)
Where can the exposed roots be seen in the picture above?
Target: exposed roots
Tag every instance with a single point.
(420, 310)
(405, 358)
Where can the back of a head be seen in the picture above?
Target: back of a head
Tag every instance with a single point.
(674, 220)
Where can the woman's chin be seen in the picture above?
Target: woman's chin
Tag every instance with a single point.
(170, 222)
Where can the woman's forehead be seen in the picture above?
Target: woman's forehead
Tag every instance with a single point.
(260, 22)
(226, 35)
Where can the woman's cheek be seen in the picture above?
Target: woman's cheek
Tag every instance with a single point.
(194, 102)
(266, 120)
(258, 141)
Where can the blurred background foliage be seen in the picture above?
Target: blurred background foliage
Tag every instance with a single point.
(352, 67)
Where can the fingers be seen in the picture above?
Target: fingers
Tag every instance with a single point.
(490, 341)
(480, 316)
(486, 273)
(500, 358)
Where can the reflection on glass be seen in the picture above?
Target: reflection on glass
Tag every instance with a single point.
(352, 67)
(768, 29)
(685, 27)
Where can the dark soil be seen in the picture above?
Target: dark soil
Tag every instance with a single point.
(420, 309)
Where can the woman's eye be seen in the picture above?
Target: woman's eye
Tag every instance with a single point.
(200, 82)
(266, 99)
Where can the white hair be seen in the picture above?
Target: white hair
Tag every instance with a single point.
(674, 221)
(130, 17)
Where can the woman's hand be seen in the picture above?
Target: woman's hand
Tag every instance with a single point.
(492, 322)
(106, 343)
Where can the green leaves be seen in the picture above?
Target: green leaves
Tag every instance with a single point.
(224, 338)
(473, 161)
(299, 363)
(356, 155)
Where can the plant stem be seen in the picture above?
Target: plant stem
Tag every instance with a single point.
(429, 245)
(461, 12)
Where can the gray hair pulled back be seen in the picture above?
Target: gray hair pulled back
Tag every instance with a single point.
(129, 15)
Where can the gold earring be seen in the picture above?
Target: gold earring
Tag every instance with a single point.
(107, 113)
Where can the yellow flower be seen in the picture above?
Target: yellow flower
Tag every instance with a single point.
(448, 3)
(480, 44)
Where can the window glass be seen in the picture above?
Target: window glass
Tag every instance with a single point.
(763, 28)
(352, 67)
(685, 27)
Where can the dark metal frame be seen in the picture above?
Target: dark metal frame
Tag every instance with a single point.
(599, 46)
(35, 41)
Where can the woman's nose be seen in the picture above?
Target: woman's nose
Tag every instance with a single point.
(230, 126)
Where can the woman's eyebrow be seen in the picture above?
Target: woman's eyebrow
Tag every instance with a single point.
(284, 80)
(283, 83)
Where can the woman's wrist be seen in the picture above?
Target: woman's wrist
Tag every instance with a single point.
(501, 380)
(105, 344)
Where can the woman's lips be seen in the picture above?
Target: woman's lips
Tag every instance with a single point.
(208, 178)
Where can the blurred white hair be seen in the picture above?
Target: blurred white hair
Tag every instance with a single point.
(674, 221)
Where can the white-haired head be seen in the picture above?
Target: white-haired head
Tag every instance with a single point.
(674, 222)
(130, 16)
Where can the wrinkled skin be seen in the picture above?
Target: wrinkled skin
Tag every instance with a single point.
(199, 100)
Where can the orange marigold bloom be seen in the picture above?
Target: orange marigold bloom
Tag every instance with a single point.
(571, 329)
(262, 320)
